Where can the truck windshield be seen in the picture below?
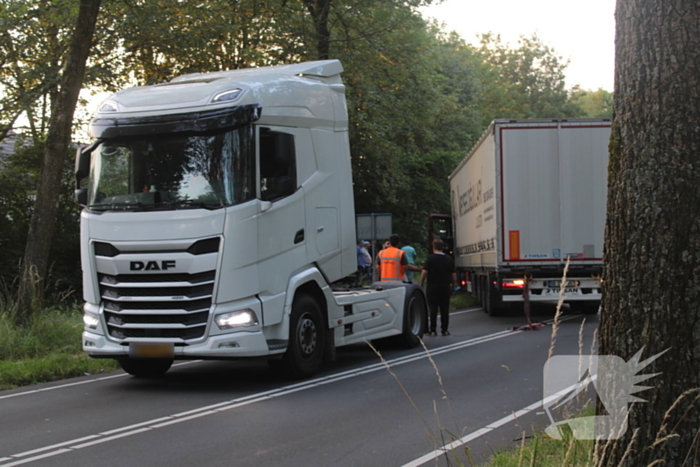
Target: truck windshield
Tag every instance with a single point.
(173, 171)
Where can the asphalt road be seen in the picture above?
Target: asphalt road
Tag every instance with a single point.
(355, 413)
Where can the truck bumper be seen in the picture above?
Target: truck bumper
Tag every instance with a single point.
(223, 346)
(554, 298)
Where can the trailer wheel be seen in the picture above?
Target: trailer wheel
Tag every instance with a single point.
(492, 302)
(414, 319)
(475, 287)
(304, 355)
(146, 367)
(482, 293)
(586, 308)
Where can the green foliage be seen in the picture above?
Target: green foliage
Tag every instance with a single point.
(526, 82)
(410, 120)
(161, 39)
(595, 104)
(542, 451)
(17, 191)
(462, 301)
(49, 348)
(50, 368)
(34, 36)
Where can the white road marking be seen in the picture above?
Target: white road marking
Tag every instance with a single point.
(446, 449)
(78, 383)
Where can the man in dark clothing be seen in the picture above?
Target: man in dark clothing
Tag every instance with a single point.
(439, 269)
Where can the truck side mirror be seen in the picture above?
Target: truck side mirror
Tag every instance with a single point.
(82, 164)
(82, 170)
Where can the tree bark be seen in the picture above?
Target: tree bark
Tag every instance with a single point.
(319, 10)
(36, 255)
(652, 241)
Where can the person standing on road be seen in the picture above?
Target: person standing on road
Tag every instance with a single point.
(411, 257)
(368, 261)
(392, 261)
(360, 259)
(439, 270)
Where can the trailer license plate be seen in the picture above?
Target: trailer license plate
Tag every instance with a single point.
(552, 284)
(151, 350)
(567, 291)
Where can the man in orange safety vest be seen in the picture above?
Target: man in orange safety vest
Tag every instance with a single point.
(393, 262)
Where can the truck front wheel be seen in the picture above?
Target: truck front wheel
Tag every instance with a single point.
(304, 354)
(146, 367)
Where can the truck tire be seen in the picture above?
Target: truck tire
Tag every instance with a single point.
(307, 334)
(493, 303)
(146, 367)
(415, 315)
(475, 287)
(482, 292)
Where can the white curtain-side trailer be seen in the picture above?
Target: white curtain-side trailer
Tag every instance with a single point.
(527, 200)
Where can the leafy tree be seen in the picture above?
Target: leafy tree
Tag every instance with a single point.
(595, 104)
(157, 40)
(32, 48)
(408, 93)
(35, 262)
(18, 181)
(652, 240)
(525, 82)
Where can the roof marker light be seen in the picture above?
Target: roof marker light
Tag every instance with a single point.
(228, 96)
(109, 106)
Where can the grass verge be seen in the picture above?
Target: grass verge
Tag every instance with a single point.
(462, 301)
(542, 451)
(47, 349)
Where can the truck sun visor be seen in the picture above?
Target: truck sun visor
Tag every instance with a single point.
(202, 121)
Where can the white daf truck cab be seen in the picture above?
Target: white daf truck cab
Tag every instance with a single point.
(219, 223)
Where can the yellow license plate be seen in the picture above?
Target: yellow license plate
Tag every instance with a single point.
(151, 350)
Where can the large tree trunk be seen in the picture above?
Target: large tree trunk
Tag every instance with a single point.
(652, 241)
(319, 10)
(36, 255)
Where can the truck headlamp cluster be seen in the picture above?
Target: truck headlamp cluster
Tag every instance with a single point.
(228, 96)
(109, 106)
(91, 321)
(236, 319)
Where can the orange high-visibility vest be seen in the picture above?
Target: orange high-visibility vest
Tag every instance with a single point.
(390, 268)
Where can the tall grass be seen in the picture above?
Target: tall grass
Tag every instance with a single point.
(542, 451)
(47, 348)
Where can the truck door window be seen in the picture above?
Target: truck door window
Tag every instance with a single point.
(278, 173)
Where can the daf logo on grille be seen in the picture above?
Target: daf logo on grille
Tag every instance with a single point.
(151, 265)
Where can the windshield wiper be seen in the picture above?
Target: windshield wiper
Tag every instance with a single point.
(136, 205)
(189, 203)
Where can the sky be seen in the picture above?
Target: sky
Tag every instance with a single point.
(582, 32)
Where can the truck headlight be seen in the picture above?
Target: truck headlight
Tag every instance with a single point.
(236, 319)
(91, 321)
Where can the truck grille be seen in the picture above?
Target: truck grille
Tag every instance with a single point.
(157, 305)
